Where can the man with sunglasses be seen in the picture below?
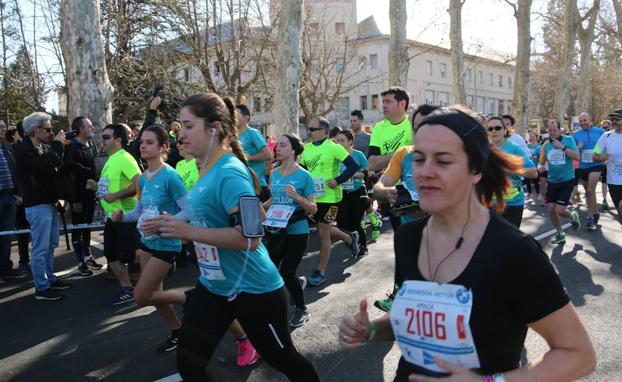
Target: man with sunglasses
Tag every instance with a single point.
(609, 148)
(36, 164)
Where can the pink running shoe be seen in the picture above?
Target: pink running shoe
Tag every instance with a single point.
(247, 355)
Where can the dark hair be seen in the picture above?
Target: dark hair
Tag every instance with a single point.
(213, 108)
(161, 135)
(500, 119)
(424, 110)
(296, 143)
(77, 123)
(358, 114)
(484, 158)
(334, 131)
(509, 116)
(9, 135)
(348, 134)
(323, 122)
(399, 93)
(559, 126)
(119, 130)
(244, 110)
(136, 125)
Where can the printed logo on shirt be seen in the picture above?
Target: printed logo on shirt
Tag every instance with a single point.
(312, 164)
(393, 144)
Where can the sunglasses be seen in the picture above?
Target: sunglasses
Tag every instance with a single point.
(614, 119)
(106, 136)
(495, 128)
(48, 129)
(315, 128)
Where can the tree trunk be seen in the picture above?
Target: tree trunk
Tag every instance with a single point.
(562, 98)
(586, 38)
(286, 104)
(457, 54)
(398, 59)
(89, 92)
(520, 103)
(617, 7)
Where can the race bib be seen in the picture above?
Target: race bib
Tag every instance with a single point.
(431, 320)
(556, 157)
(348, 185)
(616, 168)
(149, 212)
(319, 187)
(278, 215)
(209, 261)
(586, 156)
(102, 187)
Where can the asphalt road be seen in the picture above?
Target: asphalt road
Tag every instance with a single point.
(82, 339)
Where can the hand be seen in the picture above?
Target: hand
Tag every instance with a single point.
(60, 137)
(110, 198)
(155, 102)
(332, 183)
(76, 207)
(19, 200)
(91, 185)
(354, 329)
(557, 143)
(541, 168)
(391, 194)
(151, 226)
(172, 227)
(291, 192)
(458, 374)
(117, 216)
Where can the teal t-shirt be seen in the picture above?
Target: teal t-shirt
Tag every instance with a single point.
(218, 191)
(252, 143)
(561, 168)
(408, 181)
(353, 183)
(535, 151)
(514, 196)
(302, 181)
(160, 193)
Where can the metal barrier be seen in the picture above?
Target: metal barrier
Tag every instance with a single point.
(70, 227)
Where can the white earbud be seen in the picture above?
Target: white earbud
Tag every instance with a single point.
(213, 131)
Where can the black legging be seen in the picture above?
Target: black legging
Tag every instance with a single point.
(23, 238)
(81, 238)
(264, 319)
(286, 251)
(351, 211)
(535, 183)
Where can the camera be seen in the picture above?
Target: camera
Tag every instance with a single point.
(69, 135)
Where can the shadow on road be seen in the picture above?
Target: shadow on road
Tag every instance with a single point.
(576, 277)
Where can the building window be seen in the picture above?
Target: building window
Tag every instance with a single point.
(480, 105)
(429, 97)
(340, 28)
(363, 102)
(374, 102)
(257, 105)
(443, 70)
(510, 82)
(491, 81)
(500, 81)
(428, 67)
(342, 109)
(362, 62)
(469, 75)
(480, 74)
(469, 101)
(339, 65)
(443, 98)
(501, 108)
(267, 104)
(491, 106)
(373, 61)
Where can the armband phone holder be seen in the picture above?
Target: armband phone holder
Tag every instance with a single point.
(249, 217)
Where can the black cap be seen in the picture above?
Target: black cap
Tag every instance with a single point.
(616, 113)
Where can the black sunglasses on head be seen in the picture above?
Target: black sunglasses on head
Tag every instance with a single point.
(496, 128)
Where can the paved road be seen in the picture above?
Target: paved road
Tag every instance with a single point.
(82, 339)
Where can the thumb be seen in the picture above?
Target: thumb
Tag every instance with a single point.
(450, 367)
(363, 310)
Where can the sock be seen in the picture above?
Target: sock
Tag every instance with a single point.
(372, 219)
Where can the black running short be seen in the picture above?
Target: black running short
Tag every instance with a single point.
(559, 193)
(583, 173)
(166, 256)
(326, 213)
(615, 191)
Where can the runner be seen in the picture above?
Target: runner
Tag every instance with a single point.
(117, 189)
(533, 185)
(609, 148)
(589, 171)
(472, 284)
(558, 152)
(160, 190)
(255, 147)
(514, 197)
(508, 123)
(321, 157)
(238, 280)
(186, 168)
(287, 235)
(390, 134)
(354, 202)
(605, 124)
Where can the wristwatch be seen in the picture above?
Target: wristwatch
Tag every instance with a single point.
(499, 377)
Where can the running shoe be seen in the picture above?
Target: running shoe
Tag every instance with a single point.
(170, 343)
(84, 270)
(589, 223)
(375, 233)
(384, 305)
(122, 296)
(60, 285)
(559, 238)
(316, 278)
(48, 295)
(13, 274)
(24, 268)
(605, 205)
(93, 264)
(576, 221)
(247, 355)
(354, 245)
(300, 316)
(596, 218)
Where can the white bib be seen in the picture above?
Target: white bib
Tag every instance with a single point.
(556, 157)
(319, 187)
(616, 168)
(431, 319)
(148, 212)
(586, 156)
(209, 261)
(102, 187)
(278, 215)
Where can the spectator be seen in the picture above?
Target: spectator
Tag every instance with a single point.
(23, 239)
(3, 129)
(11, 136)
(33, 158)
(361, 137)
(79, 150)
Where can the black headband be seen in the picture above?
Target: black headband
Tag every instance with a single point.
(471, 132)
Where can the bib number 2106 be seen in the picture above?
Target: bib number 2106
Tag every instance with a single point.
(426, 323)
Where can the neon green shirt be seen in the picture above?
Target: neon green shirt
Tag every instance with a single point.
(389, 137)
(322, 162)
(117, 175)
(188, 171)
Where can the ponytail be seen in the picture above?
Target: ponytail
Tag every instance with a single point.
(495, 181)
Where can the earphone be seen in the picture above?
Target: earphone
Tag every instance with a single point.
(213, 131)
